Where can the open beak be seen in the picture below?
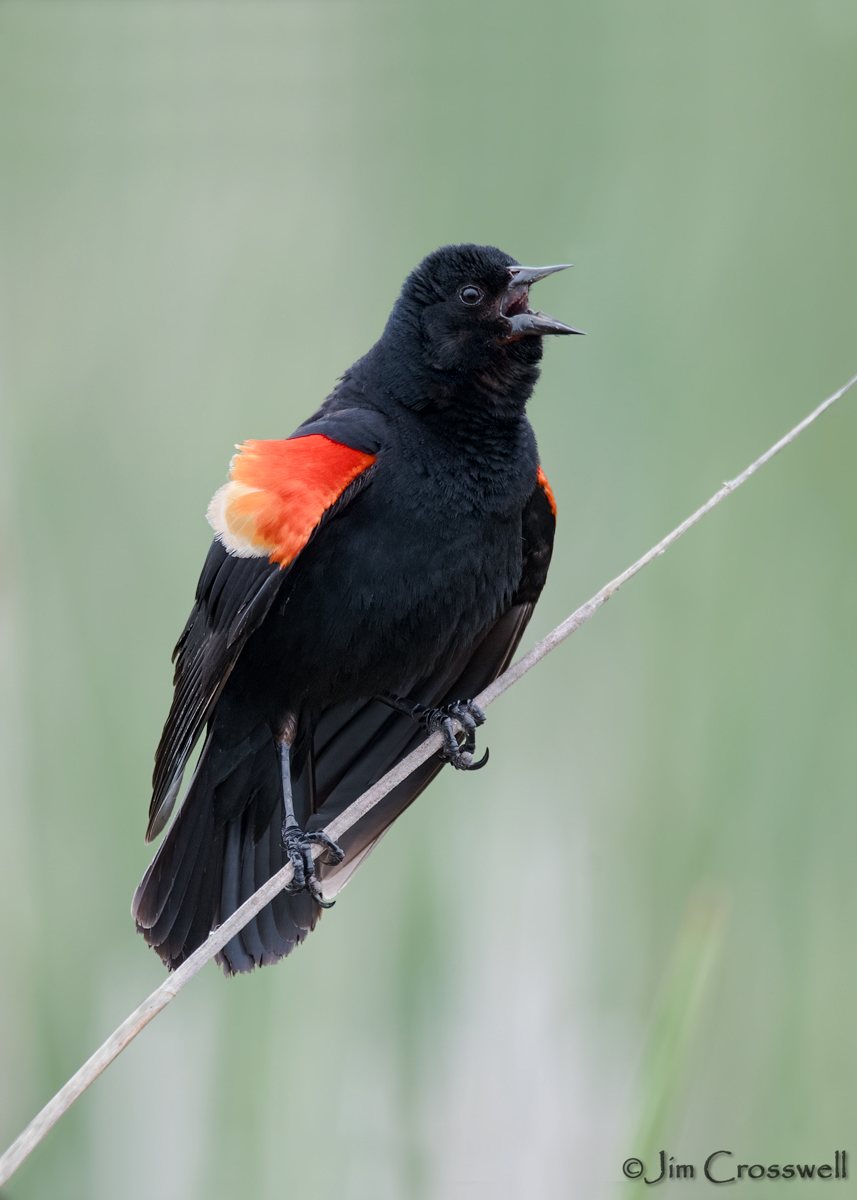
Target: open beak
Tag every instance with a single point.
(515, 305)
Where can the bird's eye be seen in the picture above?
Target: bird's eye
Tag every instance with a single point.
(470, 295)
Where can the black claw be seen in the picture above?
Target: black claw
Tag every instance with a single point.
(464, 761)
(470, 716)
(298, 846)
(314, 889)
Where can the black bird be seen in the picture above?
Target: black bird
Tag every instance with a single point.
(369, 574)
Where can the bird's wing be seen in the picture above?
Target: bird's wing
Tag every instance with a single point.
(355, 745)
(278, 495)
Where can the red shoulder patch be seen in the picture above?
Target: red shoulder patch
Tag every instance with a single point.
(278, 491)
(542, 481)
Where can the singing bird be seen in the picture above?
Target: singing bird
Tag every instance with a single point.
(369, 575)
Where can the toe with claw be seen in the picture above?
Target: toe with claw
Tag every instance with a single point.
(298, 846)
(470, 716)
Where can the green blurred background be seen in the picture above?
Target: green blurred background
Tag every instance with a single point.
(636, 929)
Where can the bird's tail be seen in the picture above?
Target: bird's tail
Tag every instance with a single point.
(224, 844)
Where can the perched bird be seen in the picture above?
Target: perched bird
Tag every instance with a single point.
(369, 575)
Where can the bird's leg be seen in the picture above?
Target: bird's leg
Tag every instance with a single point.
(298, 844)
(470, 716)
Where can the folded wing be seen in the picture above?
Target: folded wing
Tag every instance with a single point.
(278, 495)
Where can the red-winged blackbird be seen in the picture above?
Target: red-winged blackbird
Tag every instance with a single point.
(369, 574)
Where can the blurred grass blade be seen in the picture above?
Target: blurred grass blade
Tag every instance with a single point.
(670, 1045)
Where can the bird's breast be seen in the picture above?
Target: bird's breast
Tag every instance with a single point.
(389, 590)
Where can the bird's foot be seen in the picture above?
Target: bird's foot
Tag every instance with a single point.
(470, 716)
(299, 849)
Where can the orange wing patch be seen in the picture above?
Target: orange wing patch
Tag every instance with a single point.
(278, 492)
(542, 481)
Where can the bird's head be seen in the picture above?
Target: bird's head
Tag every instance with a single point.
(470, 307)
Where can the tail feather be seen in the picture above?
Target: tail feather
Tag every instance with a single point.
(269, 937)
(197, 908)
(205, 869)
(192, 854)
(166, 880)
(249, 935)
(233, 955)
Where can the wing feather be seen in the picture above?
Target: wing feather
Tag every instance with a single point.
(283, 492)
